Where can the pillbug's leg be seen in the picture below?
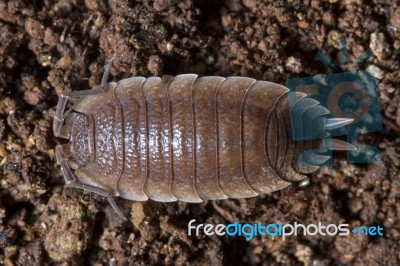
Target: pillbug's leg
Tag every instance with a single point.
(98, 191)
(116, 208)
(70, 181)
(62, 158)
(107, 68)
(58, 128)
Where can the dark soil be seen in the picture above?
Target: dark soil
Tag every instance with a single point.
(50, 47)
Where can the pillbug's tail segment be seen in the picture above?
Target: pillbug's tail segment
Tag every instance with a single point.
(310, 129)
(307, 117)
(287, 150)
(307, 120)
(304, 143)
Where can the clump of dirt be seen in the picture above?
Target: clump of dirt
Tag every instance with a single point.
(50, 47)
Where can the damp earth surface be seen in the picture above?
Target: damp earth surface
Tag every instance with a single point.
(51, 47)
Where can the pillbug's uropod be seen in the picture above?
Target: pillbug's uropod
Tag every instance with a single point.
(186, 138)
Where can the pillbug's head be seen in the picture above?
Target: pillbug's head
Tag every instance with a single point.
(297, 136)
(82, 127)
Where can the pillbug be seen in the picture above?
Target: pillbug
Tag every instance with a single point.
(187, 138)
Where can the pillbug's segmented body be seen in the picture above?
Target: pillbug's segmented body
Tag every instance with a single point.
(183, 138)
